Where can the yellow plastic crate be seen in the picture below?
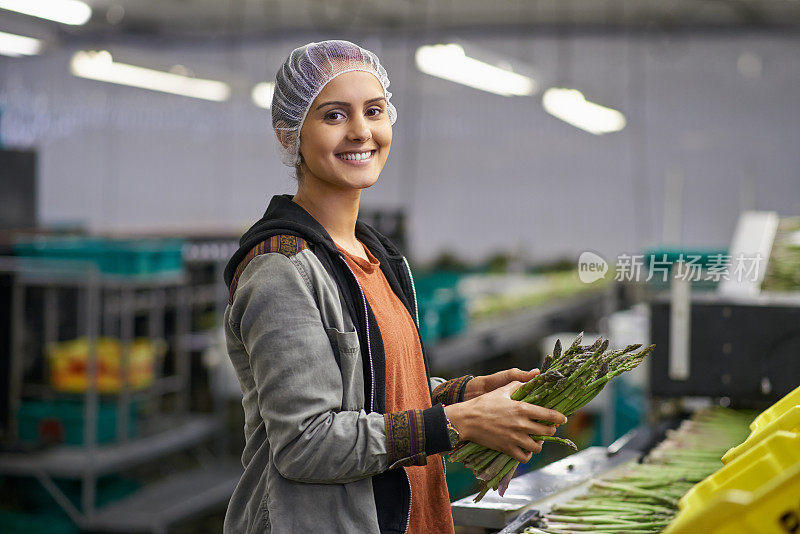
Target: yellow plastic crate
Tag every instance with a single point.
(789, 421)
(757, 493)
(69, 363)
(783, 415)
(776, 409)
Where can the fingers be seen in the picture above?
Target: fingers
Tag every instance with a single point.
(520, 375)
(521, 455)
(535, 446)
(525, 452)
(525, 442)
(544, 414)
(538, 429)
(502, 379)
(531, 427)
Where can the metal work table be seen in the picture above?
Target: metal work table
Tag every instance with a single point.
(538, 489)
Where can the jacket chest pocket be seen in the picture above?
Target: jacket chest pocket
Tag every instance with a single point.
(348, 349)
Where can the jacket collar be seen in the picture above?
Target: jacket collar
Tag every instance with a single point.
(284, 216)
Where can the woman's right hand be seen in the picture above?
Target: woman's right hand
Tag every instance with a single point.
(497, 422)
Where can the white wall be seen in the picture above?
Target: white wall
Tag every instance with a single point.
(477, 173)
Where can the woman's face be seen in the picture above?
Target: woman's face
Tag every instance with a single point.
(346, 136)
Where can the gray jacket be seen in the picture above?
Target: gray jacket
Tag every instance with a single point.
(313, 446)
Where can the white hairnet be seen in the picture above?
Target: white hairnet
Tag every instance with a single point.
(303, 76)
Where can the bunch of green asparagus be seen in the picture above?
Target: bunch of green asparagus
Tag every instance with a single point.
(569, 380)
(639, 498)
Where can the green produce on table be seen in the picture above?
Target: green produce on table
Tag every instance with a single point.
(783, 270)
(555, 285)
(568, 381)
(644, 497)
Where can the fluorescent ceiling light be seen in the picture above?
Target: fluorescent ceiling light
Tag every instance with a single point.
(449, 61)
(101, 66)
(63, 11)
(571, 106)
(18, 45)
(262, 94)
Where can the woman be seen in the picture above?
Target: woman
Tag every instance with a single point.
(341, 414)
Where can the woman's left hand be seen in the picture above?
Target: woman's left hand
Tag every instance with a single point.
(484, 384)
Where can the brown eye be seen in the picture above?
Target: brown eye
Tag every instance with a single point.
(374, 112)
(334, 115)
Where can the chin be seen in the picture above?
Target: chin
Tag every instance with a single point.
(356, 180)
(363, 183)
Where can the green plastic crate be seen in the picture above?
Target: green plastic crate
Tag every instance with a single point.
(671, 255)
(429, 318)
(118, 257)
(443, 311)
(455, 316)
(61, 421)
(460, 480)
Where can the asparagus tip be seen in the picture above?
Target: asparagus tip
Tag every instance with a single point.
(552, 375)
(644, 352)
(578, 340)
(631, 348)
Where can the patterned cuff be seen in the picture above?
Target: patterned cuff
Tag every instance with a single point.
(452, 391)
(405, 438)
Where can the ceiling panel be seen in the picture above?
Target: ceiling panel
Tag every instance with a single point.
(263, 18)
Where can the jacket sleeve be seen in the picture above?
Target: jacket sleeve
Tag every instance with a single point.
(436, 381)
(299, 385)
(450, 391)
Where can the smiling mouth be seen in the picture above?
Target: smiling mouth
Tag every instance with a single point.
(356, 157)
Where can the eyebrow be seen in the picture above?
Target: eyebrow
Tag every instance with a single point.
(347, 104)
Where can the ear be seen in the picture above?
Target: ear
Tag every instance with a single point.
(285, 137)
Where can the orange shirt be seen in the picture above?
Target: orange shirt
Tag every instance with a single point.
(407, 388)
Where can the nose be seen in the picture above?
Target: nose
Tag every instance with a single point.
(359, 130)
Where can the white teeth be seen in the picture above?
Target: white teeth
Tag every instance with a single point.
(357, 156)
